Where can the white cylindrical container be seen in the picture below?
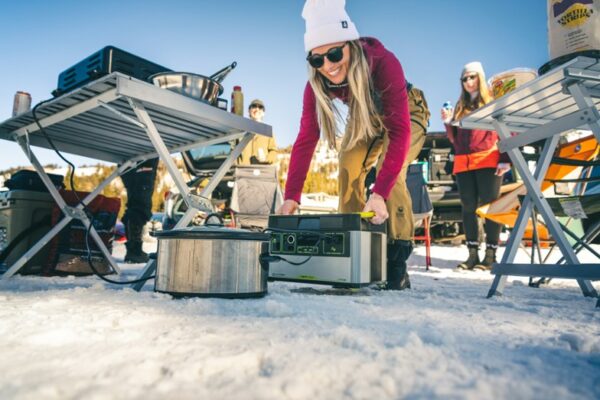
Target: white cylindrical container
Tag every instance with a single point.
(21, 103)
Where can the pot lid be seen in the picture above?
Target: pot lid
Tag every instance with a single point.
(211, 232)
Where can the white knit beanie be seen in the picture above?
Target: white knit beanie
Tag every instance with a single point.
(327, 22)
(474, 66)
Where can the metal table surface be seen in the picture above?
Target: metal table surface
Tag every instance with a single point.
(126, 121)
(566, 98)
(78, 122)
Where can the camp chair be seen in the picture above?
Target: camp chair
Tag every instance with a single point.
(421, 206)
(256, 194)
(566, 167)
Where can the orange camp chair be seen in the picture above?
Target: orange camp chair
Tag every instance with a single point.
(506, 209)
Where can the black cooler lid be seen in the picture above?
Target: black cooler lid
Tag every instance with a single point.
(211, 232)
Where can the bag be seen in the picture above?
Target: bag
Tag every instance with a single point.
(419, 110)
(573, 26)
(417, 106)
(30, 180)
(68, 250)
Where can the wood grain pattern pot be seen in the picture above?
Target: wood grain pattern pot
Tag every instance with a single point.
(211, 262)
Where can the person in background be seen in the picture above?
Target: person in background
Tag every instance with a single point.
(367, 77)
(139, 183)
(478, 166)
(262, 149)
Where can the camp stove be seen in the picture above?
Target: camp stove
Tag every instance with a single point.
(343, 250)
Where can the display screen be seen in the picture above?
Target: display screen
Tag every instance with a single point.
(309, 224)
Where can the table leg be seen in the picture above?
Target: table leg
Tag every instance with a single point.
(69, 213)
(533, 192)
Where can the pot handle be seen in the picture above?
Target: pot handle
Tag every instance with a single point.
(221, 224)
(222, 73)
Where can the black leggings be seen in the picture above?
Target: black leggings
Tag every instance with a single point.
(477, 188)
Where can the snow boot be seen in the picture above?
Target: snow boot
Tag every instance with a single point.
(472, 261)
(398, 252)
(489, 259)
(135, 254)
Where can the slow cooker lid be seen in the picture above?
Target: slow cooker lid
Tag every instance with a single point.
(211, 232)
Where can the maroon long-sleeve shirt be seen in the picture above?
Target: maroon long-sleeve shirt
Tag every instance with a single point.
(390, 84)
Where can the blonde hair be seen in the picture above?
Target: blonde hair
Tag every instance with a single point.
(465, 105)
(364, 120)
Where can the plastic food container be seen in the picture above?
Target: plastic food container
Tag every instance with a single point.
(507, 81)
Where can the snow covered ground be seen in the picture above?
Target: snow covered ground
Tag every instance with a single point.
(79, 338)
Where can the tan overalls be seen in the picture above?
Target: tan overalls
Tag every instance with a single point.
(355, 163)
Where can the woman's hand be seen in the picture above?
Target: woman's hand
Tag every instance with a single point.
(502, 168)
(376, 203)
(446, 115)
(288, 207)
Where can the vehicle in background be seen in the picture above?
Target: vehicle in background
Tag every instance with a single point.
(437, 156)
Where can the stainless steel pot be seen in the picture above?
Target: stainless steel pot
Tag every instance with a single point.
(211, 262)
(198, 87)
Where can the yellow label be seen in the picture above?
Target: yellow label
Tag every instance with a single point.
(367, 215)
(575, 15)
(501, 87)
(307, 277)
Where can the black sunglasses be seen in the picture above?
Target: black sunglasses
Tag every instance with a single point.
(464, 79)
(257, 106)
(334, 54)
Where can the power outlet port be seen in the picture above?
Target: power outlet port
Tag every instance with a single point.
(333, 244)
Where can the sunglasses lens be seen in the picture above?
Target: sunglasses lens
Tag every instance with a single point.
(316, 60)
(336, 54)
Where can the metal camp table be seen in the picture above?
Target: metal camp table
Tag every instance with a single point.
(566, 98)
(126, 121)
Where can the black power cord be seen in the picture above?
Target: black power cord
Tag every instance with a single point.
(85, 208)
(98, 274)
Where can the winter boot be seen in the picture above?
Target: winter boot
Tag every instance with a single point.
(472, 261)
(135, 254)
(490, 258)
(398, 252)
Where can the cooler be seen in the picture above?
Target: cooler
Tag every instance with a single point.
(25, 216)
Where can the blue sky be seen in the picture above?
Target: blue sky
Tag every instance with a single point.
(432, 39)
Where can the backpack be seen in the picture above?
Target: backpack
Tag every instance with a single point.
(419, 110)
(417, 106)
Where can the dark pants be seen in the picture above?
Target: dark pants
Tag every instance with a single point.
(139, 183)
(477, 188)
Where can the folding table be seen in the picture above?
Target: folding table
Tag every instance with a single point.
(126, 121)
(566, 98)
